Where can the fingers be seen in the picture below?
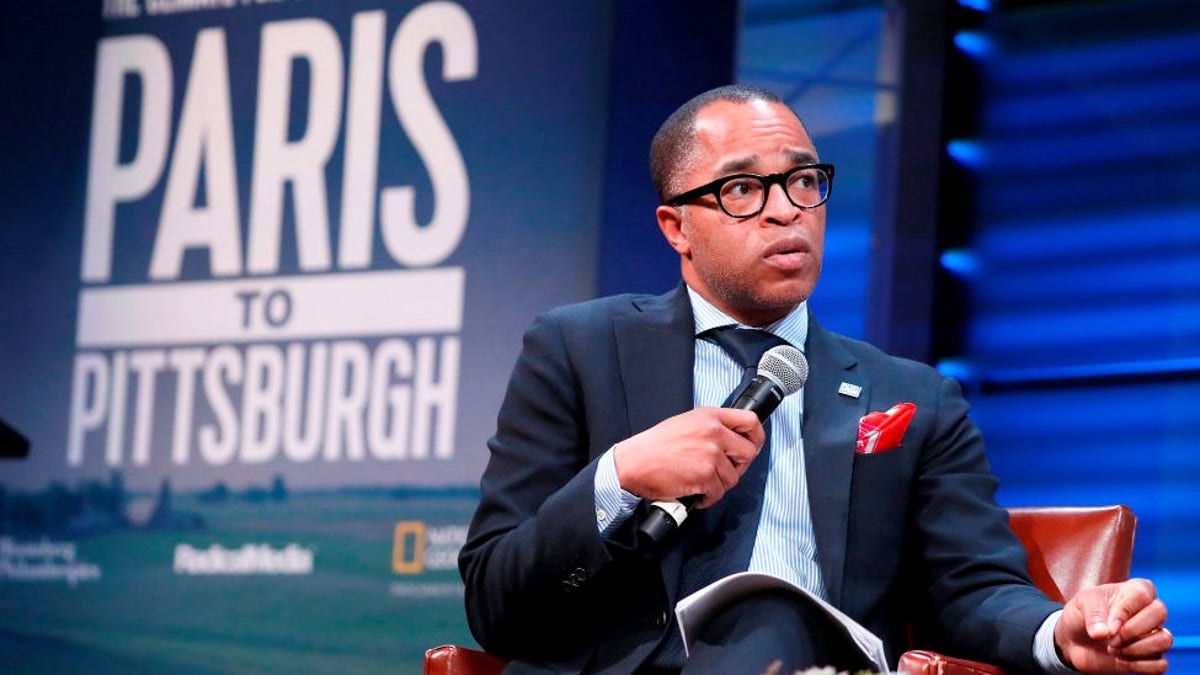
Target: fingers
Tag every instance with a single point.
(699, 452)
(736, 447)
(1135, 600)
(734, 435)
(1124, 629)
(1120, 612)
(1129, 598)
(742, 422)
(1150, 646)
(1144, 667)
(1146, 621)
(725, 475)
(1094, 607)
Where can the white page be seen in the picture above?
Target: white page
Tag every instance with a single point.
(696, 609)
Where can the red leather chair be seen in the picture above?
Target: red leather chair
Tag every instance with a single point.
(1069, 548)
(455, 660)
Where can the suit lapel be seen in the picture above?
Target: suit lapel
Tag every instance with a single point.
(656, 353)
(829, 426)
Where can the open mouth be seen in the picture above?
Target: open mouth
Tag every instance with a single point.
(787, 249)
(789, 254)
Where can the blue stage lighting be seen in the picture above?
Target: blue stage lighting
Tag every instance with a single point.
(960, 262)
(973, 44)
(969, 153)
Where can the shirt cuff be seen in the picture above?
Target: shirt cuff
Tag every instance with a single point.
(1043, 648)
(613, 504)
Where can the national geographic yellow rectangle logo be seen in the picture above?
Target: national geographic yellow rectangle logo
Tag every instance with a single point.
(418, 547)
(408, 547)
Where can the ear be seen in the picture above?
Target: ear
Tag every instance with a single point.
(670, 221)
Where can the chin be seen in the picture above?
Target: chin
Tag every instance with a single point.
(786, 295)
(772, 307)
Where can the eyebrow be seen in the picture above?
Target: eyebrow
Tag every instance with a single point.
(802, 157)
(741, 164)
(737, 165)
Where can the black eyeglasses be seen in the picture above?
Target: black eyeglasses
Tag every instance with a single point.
(743, 195)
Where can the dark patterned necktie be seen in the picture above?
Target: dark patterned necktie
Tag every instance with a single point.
(746, 346)
(719, 540)
(723, 540)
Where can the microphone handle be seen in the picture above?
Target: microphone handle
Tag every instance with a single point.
(761, 395)
(662, 519)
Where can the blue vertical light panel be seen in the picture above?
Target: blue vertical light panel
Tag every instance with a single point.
(1082, 341)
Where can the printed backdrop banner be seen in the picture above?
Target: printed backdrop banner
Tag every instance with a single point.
(260, 316)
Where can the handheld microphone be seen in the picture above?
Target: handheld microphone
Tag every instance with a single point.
(782, 371)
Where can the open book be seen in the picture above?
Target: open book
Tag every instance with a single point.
(696, 609)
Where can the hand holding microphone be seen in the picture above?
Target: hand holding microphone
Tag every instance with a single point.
(702, 451)
(782, 371)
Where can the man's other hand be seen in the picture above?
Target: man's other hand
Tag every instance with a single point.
(1115, 628)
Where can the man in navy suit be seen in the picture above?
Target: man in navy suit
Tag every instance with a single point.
(615, 402)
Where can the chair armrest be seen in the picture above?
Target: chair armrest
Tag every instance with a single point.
(921, 662)
(455, 660)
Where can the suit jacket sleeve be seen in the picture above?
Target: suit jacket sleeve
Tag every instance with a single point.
(972, 565)
(540, 581)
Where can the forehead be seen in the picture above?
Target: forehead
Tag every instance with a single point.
(758, 136)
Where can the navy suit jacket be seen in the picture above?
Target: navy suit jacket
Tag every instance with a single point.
(914, 527)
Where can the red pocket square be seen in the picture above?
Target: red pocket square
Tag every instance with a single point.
(883, 431)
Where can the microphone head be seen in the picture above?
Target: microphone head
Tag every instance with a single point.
(786, 366)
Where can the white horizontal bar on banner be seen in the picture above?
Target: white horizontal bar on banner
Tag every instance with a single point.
(273, 308)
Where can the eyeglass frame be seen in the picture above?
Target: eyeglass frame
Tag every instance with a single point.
(714, 188)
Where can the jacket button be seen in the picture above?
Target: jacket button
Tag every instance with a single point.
(662, 619)
(574, 580)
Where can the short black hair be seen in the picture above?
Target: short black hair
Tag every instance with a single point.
(672, 145)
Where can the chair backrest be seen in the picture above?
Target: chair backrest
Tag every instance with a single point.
(1072, 548)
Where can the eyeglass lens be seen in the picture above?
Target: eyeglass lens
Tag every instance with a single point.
(746, 195)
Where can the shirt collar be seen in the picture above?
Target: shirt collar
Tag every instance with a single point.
(793, 327)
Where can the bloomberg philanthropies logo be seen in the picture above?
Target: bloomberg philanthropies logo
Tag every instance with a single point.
(44, 561)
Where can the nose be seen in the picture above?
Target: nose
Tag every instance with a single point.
(779, 210)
